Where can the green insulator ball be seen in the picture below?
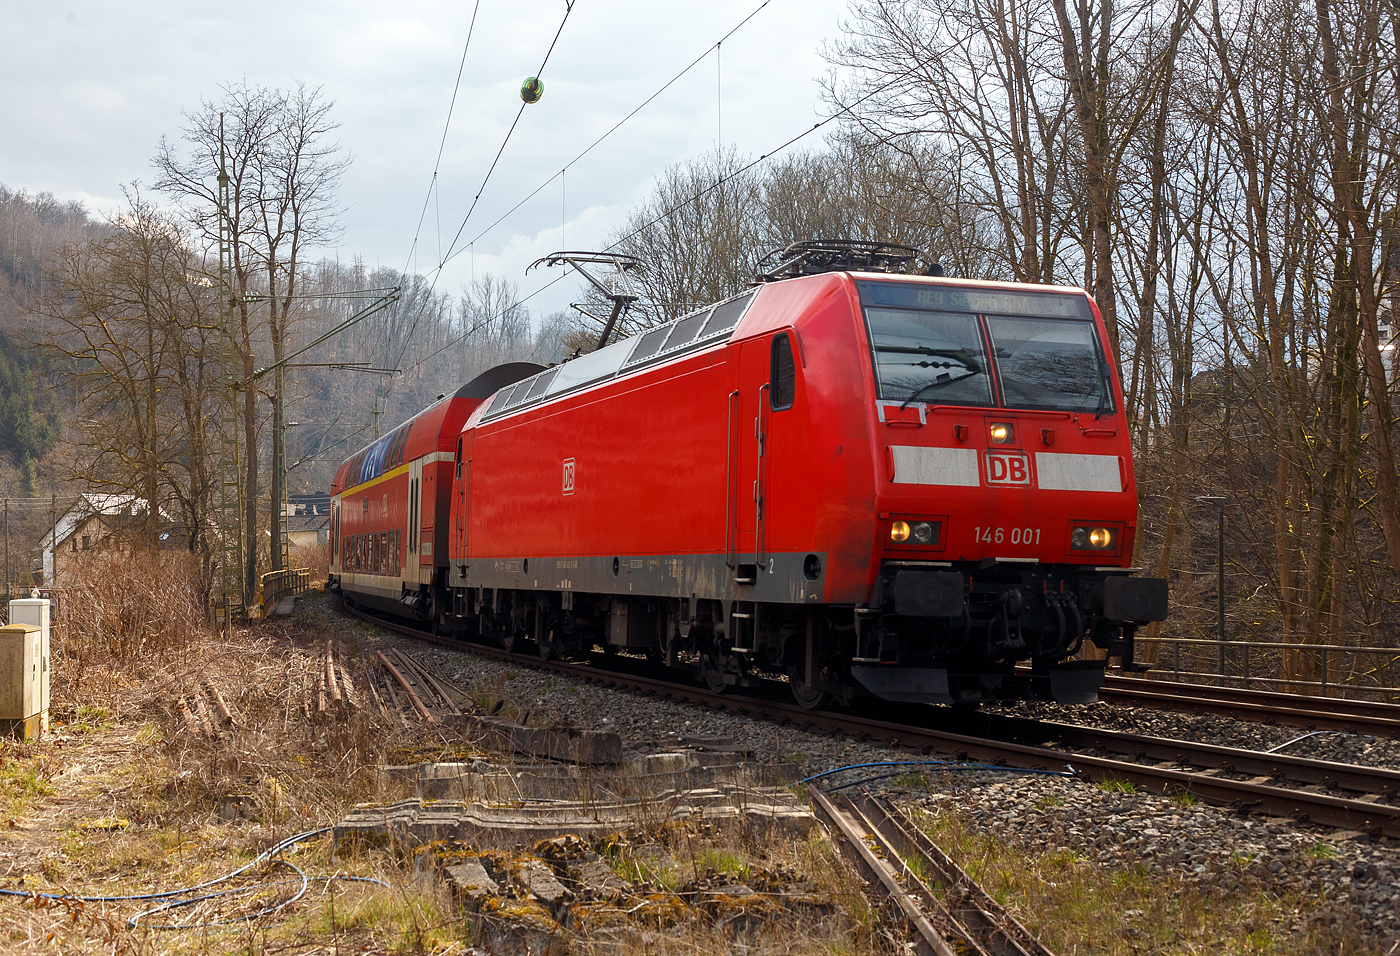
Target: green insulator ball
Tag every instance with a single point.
(532, 89)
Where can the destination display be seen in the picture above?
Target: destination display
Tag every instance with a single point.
(907, 295)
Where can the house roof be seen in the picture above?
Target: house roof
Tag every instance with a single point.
(308, 522)
(89, 505)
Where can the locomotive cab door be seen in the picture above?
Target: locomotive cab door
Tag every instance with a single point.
(748, 428)
(462, 502)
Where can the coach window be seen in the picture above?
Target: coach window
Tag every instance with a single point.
(783, 374)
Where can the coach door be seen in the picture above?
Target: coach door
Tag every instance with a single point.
(427, 519)
(748, 434)
(415, 506)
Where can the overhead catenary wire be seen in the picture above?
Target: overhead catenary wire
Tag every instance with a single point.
(442, 144)
(470, 247)
(670, 211)
(568, 9)
(616, 126)
(689, 200)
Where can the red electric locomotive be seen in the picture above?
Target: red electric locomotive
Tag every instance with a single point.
(866, 481)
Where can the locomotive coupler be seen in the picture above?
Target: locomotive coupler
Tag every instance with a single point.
(1008, 615)
(1116, 640)
(1055, 601)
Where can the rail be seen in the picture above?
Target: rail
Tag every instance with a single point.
(275, 585)
(1235, 667)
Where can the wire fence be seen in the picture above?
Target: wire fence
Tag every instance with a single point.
(1328, 670)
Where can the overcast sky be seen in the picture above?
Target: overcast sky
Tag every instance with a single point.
(90, 89)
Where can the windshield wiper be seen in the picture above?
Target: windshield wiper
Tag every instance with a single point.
(1106, 384)
(960, 354)
(972, 369)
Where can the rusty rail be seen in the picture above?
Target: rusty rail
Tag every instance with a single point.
(403, 683)
(1355, 814)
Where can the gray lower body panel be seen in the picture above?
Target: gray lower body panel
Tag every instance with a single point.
(781, 579)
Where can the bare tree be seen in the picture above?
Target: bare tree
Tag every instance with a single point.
(137, 325)
(283, 174)
(697, 237)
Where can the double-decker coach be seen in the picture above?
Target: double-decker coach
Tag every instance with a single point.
(390, 503)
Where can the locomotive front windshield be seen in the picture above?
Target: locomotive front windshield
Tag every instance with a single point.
(929, 345)
(918, 352)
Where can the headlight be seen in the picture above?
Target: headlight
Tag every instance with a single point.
(1088, 538)
(909, 532)
(1002, 433)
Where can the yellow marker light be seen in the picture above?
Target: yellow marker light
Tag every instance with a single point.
(1002, 433)
(899, 531)
(1100, 538)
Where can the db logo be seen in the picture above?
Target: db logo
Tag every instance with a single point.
(1008, 468)
(568, 476)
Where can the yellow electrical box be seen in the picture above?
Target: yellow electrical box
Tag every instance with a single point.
(23, 681)
(36, 611)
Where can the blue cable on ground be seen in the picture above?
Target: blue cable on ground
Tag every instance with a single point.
(172, 895)
(945, 765)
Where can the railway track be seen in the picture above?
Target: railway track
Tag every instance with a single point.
(1172, 772)
(947, 913)
(1302, 771)
(1294, 710)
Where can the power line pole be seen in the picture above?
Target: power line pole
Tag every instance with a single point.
(231, 598)
(278, 524)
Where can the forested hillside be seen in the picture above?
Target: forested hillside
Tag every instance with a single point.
(32, 229)
(65, 277)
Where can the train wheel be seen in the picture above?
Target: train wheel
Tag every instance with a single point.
(511, 641)
(548, 651)
(809, 698)
(711, 673)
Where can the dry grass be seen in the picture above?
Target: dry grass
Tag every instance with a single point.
(316, 559)
(1074, 906)
(126, 797)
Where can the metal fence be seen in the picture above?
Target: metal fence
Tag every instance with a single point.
(1335, 670)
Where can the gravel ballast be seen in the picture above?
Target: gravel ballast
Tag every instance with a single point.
(1356, 878)
(1208, 847)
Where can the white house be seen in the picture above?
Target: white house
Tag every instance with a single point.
(94, 522)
